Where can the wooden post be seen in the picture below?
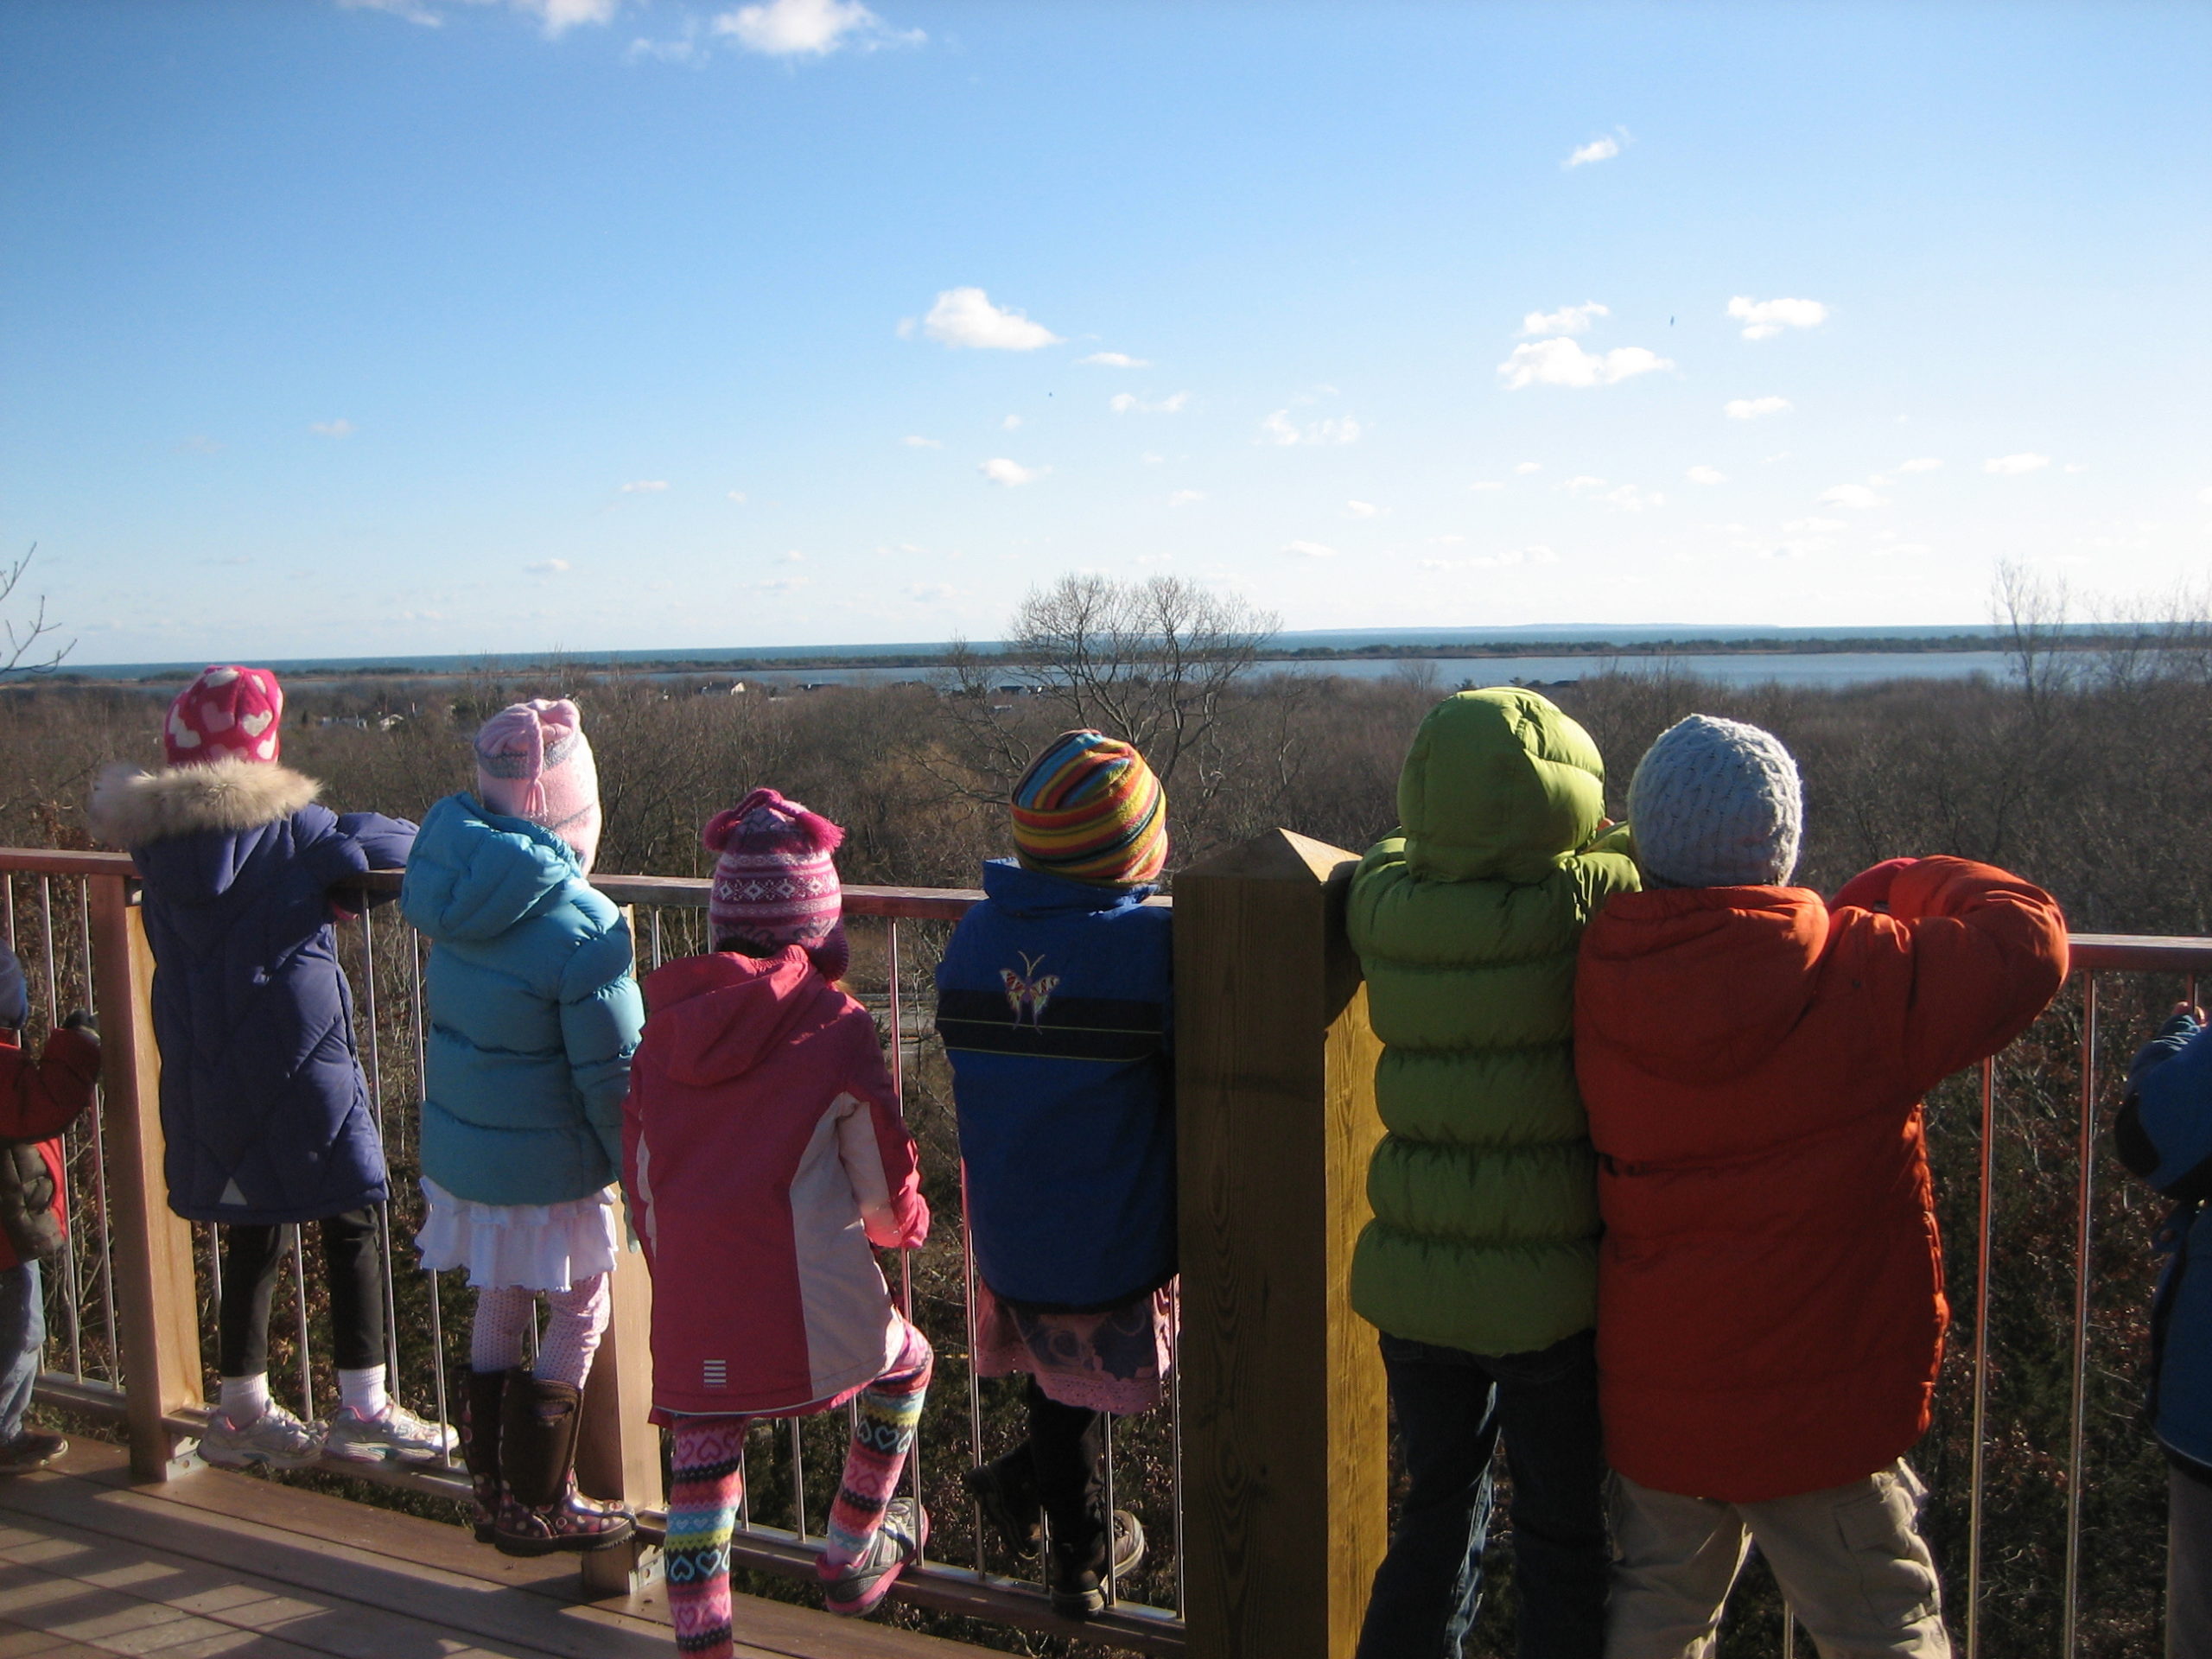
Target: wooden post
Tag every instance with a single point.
(618, 1454)
(152, 1246)
(1284, 1426)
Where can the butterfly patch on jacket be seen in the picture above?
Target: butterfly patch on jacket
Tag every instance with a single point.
(1029, 991)
(1114, 1029)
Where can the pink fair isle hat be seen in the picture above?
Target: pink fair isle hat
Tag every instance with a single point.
(227, 713)
(533, 761)
(775, 883)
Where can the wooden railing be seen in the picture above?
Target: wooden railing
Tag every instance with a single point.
(1267, 1478)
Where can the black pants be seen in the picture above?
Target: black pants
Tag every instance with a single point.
(1067, 1448)
(351, 1260)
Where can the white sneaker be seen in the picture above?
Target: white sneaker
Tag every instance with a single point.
(398, 1435)
(276, 1438)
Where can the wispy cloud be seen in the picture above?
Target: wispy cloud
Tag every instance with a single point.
(1185, 498)
(1563, 363)
(1011, 473)
(783, 584)
(1310, 551)
(915, 441)
(1012, 423)
(966, 317)
(1603, 148)
(1567, 320)
(810, 29)
(644, 486)
(1756, 409)
(549, 567)
(738, 496)
(555, 18)
(1485, 484)
(340, 428)
(1363, 509)
(1858, 498)
(2014, 465)
(1279, 428)
(1536, 553)
(200, 444)
(1123, 403)
(1527, 466)
(1115, 360)
(1921, 464)
(1763, 319)
(1706, 475)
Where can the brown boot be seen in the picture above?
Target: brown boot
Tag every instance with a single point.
(480, 1395)
(540, 1509)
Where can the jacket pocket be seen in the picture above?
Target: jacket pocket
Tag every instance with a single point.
(1880, 1529)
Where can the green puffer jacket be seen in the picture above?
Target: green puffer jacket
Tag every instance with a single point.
(1467, 921)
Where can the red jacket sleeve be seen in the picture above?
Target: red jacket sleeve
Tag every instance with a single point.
(879, 1158)
(1987, 954)
(40, 1098)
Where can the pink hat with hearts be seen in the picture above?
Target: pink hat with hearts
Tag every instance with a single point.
(227, 713)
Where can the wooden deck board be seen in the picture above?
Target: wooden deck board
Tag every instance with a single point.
(218, 1563)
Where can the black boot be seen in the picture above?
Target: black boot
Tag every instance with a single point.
(480, 1396)
(1005, 1490)
(540, 1509)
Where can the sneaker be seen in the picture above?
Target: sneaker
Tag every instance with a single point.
(399, 1436)
(1080, 1591)
(276, 1438)
(857, 1587)
(29, 1451)
(1005, 1490)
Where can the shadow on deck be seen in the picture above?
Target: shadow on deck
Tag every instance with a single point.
(219, 1563)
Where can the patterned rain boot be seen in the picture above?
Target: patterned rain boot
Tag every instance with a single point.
(540, 1509)
(480, 1395)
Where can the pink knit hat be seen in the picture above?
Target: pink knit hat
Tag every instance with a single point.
(533, 761)
(227, 713)
(775, 884)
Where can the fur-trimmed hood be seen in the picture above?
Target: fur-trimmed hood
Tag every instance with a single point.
(130, 808)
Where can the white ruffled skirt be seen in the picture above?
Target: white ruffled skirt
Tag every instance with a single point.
(536, 1246)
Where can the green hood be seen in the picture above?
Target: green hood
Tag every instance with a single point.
(1499, 785)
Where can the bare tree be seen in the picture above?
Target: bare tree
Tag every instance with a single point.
(20, 640)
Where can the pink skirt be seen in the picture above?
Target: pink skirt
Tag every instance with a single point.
(1117, 1360)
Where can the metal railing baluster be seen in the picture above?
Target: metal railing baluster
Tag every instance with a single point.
(2087, 1187)
(975, 1382)
(384, 1141)
(300, 1296)
(1175, 1428)
(437, 1312)
(798, 1481)
(1981, 1300)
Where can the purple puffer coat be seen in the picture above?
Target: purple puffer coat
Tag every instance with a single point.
(264, 1106)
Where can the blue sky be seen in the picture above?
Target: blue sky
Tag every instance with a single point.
(457, 325)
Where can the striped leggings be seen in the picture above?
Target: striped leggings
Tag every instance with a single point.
(708, 1482)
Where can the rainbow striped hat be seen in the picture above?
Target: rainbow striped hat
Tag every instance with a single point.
(1090, 809)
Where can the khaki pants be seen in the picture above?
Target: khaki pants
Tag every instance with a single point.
(1850, 1560)
(2188, 1566)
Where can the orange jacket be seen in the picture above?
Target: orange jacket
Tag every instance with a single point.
(1770, 1307)
(41, 1098)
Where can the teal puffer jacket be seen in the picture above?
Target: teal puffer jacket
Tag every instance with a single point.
(533, 1012)
(1466, 922)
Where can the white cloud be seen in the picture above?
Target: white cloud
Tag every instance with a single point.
(783, 584)
(1536, 553)
(2074, 467)
(1756, 409)
(340, 428)
(1706, 475)
(1310, 551)
(1185, 498)
(1123, 403)
(1567, 320)
(965, 316)
(930, 593)
(1585, 481)
(1626, 498)
(2205, 496)
(1011, 423)
(644, 486)
(1598, 149)
(549, 567)
(791, 28)
(914, 441)
(1527, 466)
(1763, 319)
(1362, 509)
(2014, 465)
(1485, 484)
(679, 51)
(738, 496)
(1813, 526)
(1012, 474)
(1562, 363)
(794, 556)
(1279, 428)
(1115, 360)
(1920, 464)
(1858, 498)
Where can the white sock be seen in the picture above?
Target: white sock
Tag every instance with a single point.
(362, 1392)
(244, 1398)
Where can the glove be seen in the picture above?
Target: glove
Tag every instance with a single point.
(1870, 889)
(78, 1020)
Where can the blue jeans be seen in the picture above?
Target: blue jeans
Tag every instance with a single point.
(22, 1343)
(1453, 1408)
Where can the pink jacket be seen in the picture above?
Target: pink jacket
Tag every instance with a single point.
(763, 1154)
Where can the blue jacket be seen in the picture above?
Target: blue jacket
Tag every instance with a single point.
(264, 1107)
(2164, 1135)
(533, 1014)
(1055, 1000)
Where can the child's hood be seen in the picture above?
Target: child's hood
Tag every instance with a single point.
(710, 1020)
(1499, 785)
(472, 874)
(193, 828)
(1700, 985)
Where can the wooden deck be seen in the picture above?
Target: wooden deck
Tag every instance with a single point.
(219, 1563)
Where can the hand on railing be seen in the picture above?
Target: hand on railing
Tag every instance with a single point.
(78, 1020)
